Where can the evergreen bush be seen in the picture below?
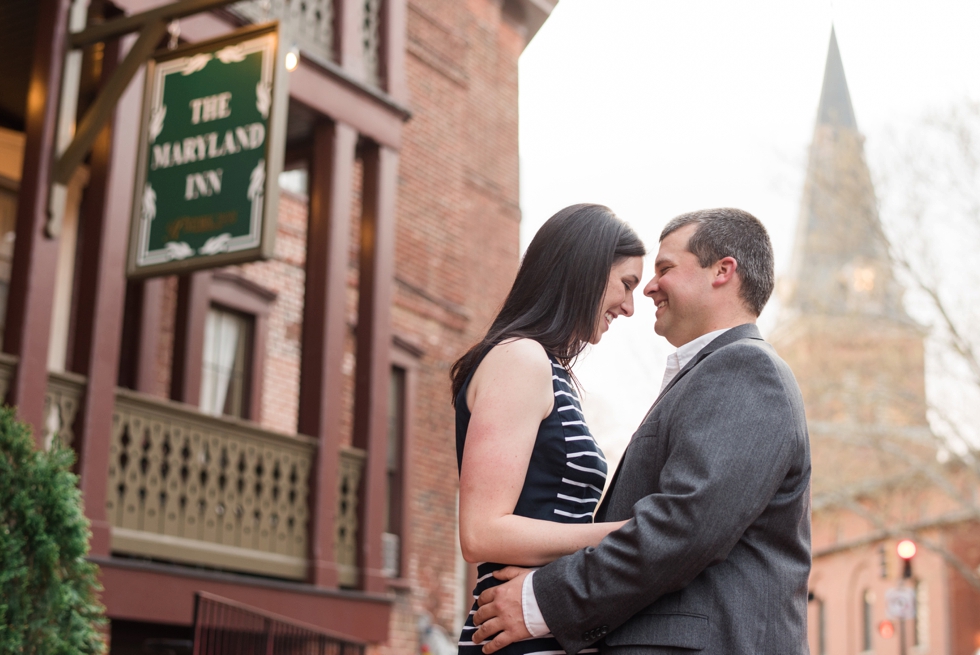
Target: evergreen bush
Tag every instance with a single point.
(48, 602)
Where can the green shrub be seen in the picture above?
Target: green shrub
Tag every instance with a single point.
(48, 602)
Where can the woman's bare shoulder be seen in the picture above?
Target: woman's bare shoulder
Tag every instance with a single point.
(517, 361)
(515, 373)
(526, 354)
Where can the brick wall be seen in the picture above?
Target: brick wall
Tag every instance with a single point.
(456, 252)
(964, 598)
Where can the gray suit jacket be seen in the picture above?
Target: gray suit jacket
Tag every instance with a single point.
(717, 556)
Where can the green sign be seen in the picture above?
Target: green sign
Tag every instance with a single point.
(210, 153)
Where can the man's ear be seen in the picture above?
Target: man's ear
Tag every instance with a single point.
(724, 271)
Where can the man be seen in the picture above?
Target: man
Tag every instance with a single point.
(716, 481)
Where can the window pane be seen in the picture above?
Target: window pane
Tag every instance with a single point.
(8, 216)
(868, 622)
(394, 478)
(226, 361)
(921, 633)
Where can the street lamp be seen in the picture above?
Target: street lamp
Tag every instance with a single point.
(292, 58)
(906, 550)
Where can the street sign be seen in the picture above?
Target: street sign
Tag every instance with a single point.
(901, 602)
(211, 149)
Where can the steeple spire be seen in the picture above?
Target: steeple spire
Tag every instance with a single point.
(835, 100)
(840, 264)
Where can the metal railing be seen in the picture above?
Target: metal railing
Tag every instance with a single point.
(225, 627)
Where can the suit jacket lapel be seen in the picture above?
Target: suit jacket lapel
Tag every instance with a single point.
(745, 331)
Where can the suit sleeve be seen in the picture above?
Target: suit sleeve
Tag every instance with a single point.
(732, 437)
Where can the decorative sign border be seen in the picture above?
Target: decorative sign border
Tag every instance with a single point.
(272, 94)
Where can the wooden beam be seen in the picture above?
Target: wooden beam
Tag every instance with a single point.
(373, 371)
(324, 328)
(101, 296)
(126, 24)
(193, 300)
(102, 109)
(35, 262)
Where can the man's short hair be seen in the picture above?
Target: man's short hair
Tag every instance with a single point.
(728, 232)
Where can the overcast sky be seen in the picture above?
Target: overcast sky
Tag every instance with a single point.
(657, 108)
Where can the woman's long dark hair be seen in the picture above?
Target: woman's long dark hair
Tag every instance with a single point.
(557, 294)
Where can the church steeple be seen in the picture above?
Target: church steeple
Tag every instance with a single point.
(840, 263)
(835, 99)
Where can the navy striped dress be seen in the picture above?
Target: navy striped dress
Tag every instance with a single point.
(564, 481)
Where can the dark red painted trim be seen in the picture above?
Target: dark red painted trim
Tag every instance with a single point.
(193, 295)
(324, 327)
(373, 372)
(408, 362)
(150, 320)
(160, 593)
(35, 260)
(102, 293)
(393, 40)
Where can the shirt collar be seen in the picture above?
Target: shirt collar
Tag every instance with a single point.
(679, 358)
(692, 348)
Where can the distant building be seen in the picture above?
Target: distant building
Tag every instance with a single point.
(859, 359)
(278, 433)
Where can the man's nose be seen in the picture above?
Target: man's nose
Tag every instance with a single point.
(651, 287)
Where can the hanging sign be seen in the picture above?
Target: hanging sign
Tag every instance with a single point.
(211, 150)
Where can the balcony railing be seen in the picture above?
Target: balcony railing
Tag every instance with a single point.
(8, 365)
(188, 487)
(192, 488)
(345, 544)
(61, 403)
(312, 23)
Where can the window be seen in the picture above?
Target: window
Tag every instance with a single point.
(8, 216)
(221, 328)
(393, 520)
(867, 619)
(226, 363)
(821, 629)
(920, 636)
(11, 161)
(401, 394)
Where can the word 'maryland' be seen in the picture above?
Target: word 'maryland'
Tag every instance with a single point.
(208, 146)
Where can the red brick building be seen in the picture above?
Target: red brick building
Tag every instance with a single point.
(860, 361)
(277, 433)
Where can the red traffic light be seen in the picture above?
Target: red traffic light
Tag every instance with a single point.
(886, 629)
(906, 549)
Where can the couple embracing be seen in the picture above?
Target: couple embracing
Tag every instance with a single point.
(702, 540)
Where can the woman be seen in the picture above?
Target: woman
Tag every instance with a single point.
(530, 472)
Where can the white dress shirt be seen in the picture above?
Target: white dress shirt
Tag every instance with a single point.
(677, 360)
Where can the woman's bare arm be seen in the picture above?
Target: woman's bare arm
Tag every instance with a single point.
(509, 395)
